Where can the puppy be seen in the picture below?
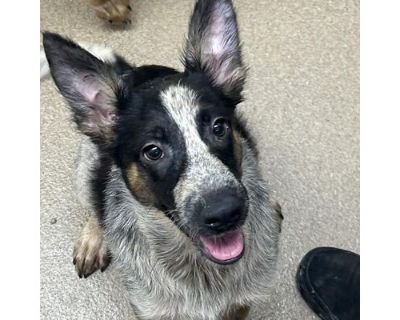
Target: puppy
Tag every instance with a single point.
(113, 11)
(170, 173)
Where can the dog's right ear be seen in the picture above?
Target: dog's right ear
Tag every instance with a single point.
(89, 85)
(213, 46)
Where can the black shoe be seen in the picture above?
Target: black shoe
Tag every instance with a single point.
(329, 281)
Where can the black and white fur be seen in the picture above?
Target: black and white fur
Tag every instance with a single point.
(149, 214)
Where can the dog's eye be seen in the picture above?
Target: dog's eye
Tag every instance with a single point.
(152, 152)
(219, 127)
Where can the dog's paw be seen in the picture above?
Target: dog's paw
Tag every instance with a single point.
(90, 252)
(113, 11)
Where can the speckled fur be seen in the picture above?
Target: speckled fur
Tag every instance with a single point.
(204, 172)
(165, 274)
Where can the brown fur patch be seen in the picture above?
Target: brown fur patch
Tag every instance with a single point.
(237, 150)
(114, 11)
(236, 313)
(139, 186)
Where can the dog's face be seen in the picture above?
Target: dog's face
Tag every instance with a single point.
(175, 137)
(179, 150)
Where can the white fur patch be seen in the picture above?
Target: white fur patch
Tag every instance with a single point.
(99, 51)
(205, 172)
(44, 65)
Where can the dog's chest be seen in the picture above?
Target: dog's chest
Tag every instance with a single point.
(156, 295)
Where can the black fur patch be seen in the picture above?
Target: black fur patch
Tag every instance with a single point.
(143, 120)
(99, 181)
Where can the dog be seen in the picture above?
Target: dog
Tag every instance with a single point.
(113, 11)
(170, 172)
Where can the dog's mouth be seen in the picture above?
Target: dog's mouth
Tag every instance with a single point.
(223, 249)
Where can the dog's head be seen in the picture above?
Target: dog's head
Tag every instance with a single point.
(175, 137)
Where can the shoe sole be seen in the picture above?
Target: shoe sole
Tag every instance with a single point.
(306, 289)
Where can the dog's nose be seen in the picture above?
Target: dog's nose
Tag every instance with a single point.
(222, 213)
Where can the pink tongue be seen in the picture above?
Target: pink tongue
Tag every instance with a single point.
(226, 247)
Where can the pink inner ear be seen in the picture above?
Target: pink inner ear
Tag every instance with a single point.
(218, 32)
(89, 89)
(92, 95)
(102, 110)
(220, 42)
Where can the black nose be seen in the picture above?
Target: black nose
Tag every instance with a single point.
(221, 213)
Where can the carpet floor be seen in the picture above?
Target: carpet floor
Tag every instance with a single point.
(302, 104)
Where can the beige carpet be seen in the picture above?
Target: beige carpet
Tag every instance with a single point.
(303, 107)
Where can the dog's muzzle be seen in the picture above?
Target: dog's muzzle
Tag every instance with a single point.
(218, 217)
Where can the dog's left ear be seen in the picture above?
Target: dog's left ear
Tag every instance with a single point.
(89, 85)
(213, 46)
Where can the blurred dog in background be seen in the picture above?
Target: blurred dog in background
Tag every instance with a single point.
(112, 11)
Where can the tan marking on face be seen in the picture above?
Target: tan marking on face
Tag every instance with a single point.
(139, 186)
(237, 149)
